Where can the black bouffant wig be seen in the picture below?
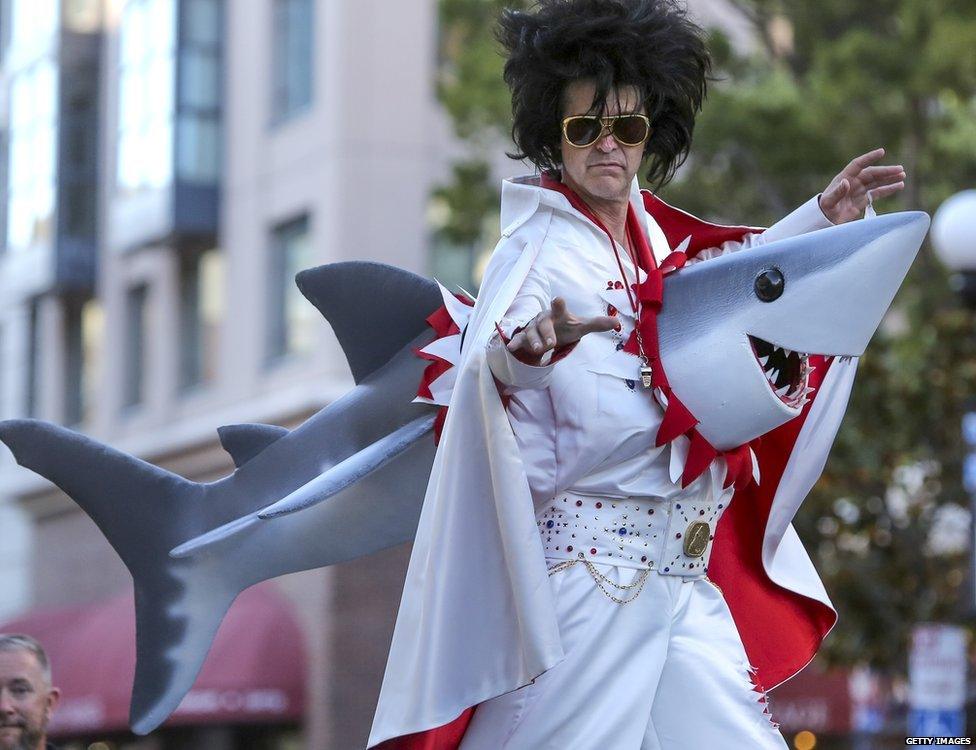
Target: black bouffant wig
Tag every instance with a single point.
(649, 44)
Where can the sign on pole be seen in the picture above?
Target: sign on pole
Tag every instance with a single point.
(969, 482)
(937, 681)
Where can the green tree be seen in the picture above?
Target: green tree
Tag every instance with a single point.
(827, 81)
(472, 91)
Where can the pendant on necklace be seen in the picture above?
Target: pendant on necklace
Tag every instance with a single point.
(645, 373)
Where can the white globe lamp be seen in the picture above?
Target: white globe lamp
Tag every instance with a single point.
(953, 237)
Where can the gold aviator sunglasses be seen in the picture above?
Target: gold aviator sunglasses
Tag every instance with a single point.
(585, 130)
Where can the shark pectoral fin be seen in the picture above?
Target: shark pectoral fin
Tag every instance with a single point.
(352, 469)
(244, 441)
(375, 309)
(194, 545)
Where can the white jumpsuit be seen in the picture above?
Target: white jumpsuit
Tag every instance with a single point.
(666, 669)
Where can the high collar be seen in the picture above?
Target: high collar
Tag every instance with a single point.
(523, 196)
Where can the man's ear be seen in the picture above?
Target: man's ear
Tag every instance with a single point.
(53, 698)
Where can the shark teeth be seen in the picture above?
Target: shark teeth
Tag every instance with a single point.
(787, 371)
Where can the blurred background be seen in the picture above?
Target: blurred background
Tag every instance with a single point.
(167, 166)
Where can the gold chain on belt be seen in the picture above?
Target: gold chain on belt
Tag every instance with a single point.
(601, 579)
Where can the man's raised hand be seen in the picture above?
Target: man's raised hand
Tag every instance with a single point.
(845, 198)
(556, 327)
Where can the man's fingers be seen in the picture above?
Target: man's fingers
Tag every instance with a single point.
(600, 323)
(873, 177)
(881, 172)
(547, 332)
(533, 341)
(885, 181)
(860, 162)
(882, 192)
(558, 307)
(830, 197)
(528, 336)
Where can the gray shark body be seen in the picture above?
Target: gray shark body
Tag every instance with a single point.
(351, 480)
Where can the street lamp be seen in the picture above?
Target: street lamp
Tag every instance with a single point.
(954, 240)
(953, 237)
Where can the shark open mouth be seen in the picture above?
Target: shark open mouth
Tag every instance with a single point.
(787, 372)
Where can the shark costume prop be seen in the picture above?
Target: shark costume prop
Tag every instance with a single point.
(478, 617)
(352, 478)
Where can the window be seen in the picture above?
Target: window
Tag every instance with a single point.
(83, 338)
(147, 50)
(198, 135)
(292, 319)
(201, 311)
(34, 26)
(32, 387)
(78, 170)
(292, 57)
(135, 352)
(5, 8)
(74, 362)
(4, 187)
(83, 16)
(32, 151)
(4, 373)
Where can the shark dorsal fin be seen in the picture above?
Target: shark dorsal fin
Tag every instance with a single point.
(244, 441)
(375, 309)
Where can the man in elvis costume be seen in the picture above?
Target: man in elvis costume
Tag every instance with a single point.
(560, 591)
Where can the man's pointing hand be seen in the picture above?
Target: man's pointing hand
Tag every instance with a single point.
(555, 328)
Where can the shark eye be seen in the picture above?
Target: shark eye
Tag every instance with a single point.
(770, 284)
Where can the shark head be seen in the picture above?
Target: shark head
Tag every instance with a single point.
(737, 331)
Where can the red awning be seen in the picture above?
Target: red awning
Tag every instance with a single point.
(817, 699)
(255, 671)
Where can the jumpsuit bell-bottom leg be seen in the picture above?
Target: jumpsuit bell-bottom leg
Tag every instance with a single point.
(665, 671)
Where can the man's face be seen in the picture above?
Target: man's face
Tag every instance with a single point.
(26, 701)
(605, 169)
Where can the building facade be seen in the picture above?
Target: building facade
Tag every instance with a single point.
(170, 166)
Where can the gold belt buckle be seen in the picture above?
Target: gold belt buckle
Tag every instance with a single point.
(696, 539)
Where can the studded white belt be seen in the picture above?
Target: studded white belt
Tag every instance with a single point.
(673, 537)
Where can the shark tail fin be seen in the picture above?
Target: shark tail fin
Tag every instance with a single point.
(143, 511)
(178, 613)
(136, 505)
